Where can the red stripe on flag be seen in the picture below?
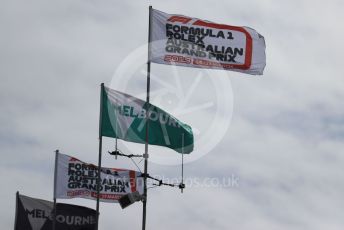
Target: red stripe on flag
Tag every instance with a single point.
(248, 54)
(132, 176)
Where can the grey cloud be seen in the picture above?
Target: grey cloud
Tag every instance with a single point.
(285, 141)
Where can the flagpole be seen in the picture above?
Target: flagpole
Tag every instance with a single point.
(16, 215)
(55, 181)
(182, 161)
(100, 152)
(144, 210)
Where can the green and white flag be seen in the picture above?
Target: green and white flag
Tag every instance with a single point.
(124, 116)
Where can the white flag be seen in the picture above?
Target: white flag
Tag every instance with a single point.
(186, 41)
(78, 179)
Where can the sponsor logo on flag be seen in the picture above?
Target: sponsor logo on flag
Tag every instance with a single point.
(78, 179)
(192, 42)
(37, 214)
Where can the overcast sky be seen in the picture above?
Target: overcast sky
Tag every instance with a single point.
(284, 144)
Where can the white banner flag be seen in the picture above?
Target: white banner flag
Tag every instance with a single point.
(186, 41)
(78, 179)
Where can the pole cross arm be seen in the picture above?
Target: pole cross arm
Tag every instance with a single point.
(118, 153)
(161, 182)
